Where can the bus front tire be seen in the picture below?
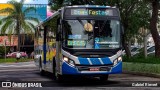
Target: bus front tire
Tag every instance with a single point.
(57, 77)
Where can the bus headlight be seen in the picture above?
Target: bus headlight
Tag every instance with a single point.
(69, 61)
(65, 59)
(117, 60)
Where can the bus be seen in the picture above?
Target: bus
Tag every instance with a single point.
(82, 40)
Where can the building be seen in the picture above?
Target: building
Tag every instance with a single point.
(27, 43)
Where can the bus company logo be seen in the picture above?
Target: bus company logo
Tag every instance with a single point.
(6, 84)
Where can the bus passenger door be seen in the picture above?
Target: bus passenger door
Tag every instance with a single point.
(50, 49)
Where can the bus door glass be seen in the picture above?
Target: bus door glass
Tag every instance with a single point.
(50, 45)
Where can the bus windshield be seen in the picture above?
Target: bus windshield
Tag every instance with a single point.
(91, 34)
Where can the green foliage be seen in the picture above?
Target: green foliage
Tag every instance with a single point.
(141, 68)
(13, 60)
(141, 64)
(2, 50)
(100, 2)
(134, 14)
(141, 59)
(59, 3)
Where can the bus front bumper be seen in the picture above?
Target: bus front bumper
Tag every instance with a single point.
(73, 70)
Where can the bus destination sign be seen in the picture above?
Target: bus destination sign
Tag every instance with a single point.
(92, 12)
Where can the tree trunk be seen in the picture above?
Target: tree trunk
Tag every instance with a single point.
(18, 33)
(124, 43)
(129, 45)
(128, 53)
(19, 36)
(145, 45)
(153, 27)
(144, 34)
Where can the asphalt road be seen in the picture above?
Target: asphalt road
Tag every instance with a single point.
(27, 72)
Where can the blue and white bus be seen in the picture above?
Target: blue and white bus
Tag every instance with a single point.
(80, 40)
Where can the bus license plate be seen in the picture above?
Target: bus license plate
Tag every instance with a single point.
(93, 69)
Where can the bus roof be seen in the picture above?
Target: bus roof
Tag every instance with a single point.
(91, 6)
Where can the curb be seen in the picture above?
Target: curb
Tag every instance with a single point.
(142, 74)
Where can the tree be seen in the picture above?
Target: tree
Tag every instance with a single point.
(56, 4)
(153, 26)
(134, 15)
(17, 22)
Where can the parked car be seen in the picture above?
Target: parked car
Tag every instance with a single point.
(134, 51)
(151, 50)
(13, 55)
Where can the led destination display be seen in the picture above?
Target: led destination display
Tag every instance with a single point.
(91, 12)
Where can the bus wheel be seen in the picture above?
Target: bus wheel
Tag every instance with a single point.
(58, 78)
(104, 78)
(42, 72)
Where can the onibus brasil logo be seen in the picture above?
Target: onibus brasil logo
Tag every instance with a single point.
(15, 84)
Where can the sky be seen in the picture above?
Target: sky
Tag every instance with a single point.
(29, 1)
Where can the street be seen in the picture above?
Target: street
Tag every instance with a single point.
(28, 72)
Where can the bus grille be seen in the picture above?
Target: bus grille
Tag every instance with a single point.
(87, 68)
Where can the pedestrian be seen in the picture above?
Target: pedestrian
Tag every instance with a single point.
(18, 56)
